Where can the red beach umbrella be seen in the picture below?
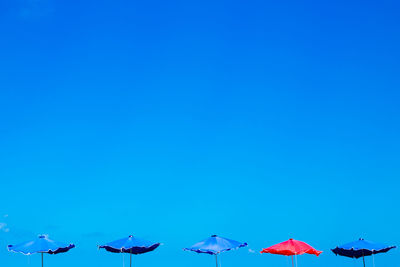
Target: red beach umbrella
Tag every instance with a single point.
(292, 248)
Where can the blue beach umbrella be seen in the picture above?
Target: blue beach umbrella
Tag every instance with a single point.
(214, 245)
(361, 248)
(131, 245)
(41, 245)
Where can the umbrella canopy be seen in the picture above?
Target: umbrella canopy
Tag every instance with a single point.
(131, 245)
(215, 245)
(291, 247)
(361, 248)
(41, 245)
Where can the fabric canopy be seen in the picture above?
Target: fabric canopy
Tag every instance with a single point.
(361, 248)
(41, 245)
(291, 247)
(131, 245)
(215, 245)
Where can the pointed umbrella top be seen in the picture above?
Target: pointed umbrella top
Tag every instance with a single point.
(291, 247)
(41, 245)
(215, 245)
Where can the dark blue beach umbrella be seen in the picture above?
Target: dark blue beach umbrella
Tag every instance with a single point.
(41, 245)
(214, 245)
(131, 245)
(361, 248)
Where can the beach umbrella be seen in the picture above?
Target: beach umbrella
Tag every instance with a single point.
(361, 248)
(291, 248)
(41, 245)
(131, 245)
(214, 245)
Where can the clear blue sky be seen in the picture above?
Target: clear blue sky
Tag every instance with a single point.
(174, 120)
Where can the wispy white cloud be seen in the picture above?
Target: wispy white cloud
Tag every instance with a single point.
(251, 250)
(4, 227)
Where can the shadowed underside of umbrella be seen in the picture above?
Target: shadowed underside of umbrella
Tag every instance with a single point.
(131, 245)
(361, 248)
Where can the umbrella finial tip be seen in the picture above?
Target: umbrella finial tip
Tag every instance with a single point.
(214, 236)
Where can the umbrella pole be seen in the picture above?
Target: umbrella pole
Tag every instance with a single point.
(130, 259)
(292, 261)
(216, 259)
(364, 260)
(42, 259)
